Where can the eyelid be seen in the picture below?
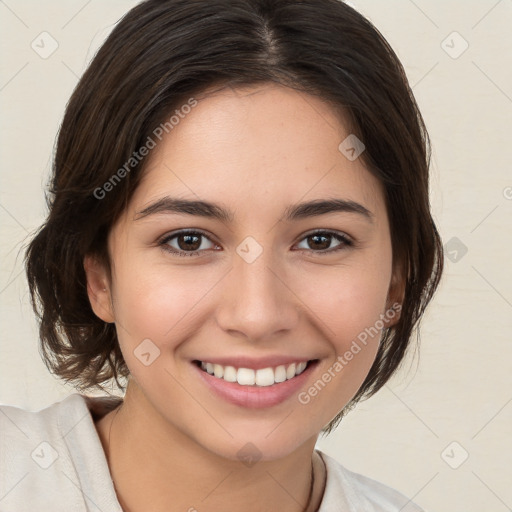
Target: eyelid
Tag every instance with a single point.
(332, 232)
(347, 240)
(186, 231)
(162, 241)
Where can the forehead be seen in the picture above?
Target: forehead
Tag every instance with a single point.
(254, 148)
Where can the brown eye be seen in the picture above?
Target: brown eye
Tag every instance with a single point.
(321, 241)
(189, 243)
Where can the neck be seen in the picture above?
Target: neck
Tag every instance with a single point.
(154, 463)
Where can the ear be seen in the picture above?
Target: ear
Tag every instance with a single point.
(396, 295)
(98, 288)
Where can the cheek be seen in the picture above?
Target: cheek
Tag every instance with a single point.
(348, 299)
(348, 303)
(157, 303)
(157, 310)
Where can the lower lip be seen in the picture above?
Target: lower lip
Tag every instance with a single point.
(256, 397)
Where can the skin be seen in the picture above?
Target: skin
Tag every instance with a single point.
(256, 151)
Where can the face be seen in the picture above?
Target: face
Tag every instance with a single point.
(263, 285)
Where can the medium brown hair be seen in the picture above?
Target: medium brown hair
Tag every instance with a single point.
(162, 53)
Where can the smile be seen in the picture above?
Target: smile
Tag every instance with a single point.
(270, 382)
(249, 377)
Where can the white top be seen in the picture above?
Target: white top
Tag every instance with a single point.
(53, 460)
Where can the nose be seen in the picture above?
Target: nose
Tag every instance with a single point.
(257, 300)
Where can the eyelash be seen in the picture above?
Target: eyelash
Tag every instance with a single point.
(347, 242)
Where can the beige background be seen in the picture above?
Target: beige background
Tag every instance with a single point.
(459, 389)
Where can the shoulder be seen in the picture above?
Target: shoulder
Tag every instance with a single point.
(346, 490)
(20, 427)
(46, 455)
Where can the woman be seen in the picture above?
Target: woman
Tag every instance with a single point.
(240, 226)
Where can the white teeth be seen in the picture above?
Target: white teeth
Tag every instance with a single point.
(245, 377)
(230, 374)
(300, 368)
(280, 374)
(249, 377)
(265, 377)
(218, 371)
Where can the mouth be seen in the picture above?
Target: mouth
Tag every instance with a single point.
(255, 388)
(249, 377)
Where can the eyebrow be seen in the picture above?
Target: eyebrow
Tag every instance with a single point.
(294, 212)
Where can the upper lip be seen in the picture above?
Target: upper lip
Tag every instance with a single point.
(255, 363)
